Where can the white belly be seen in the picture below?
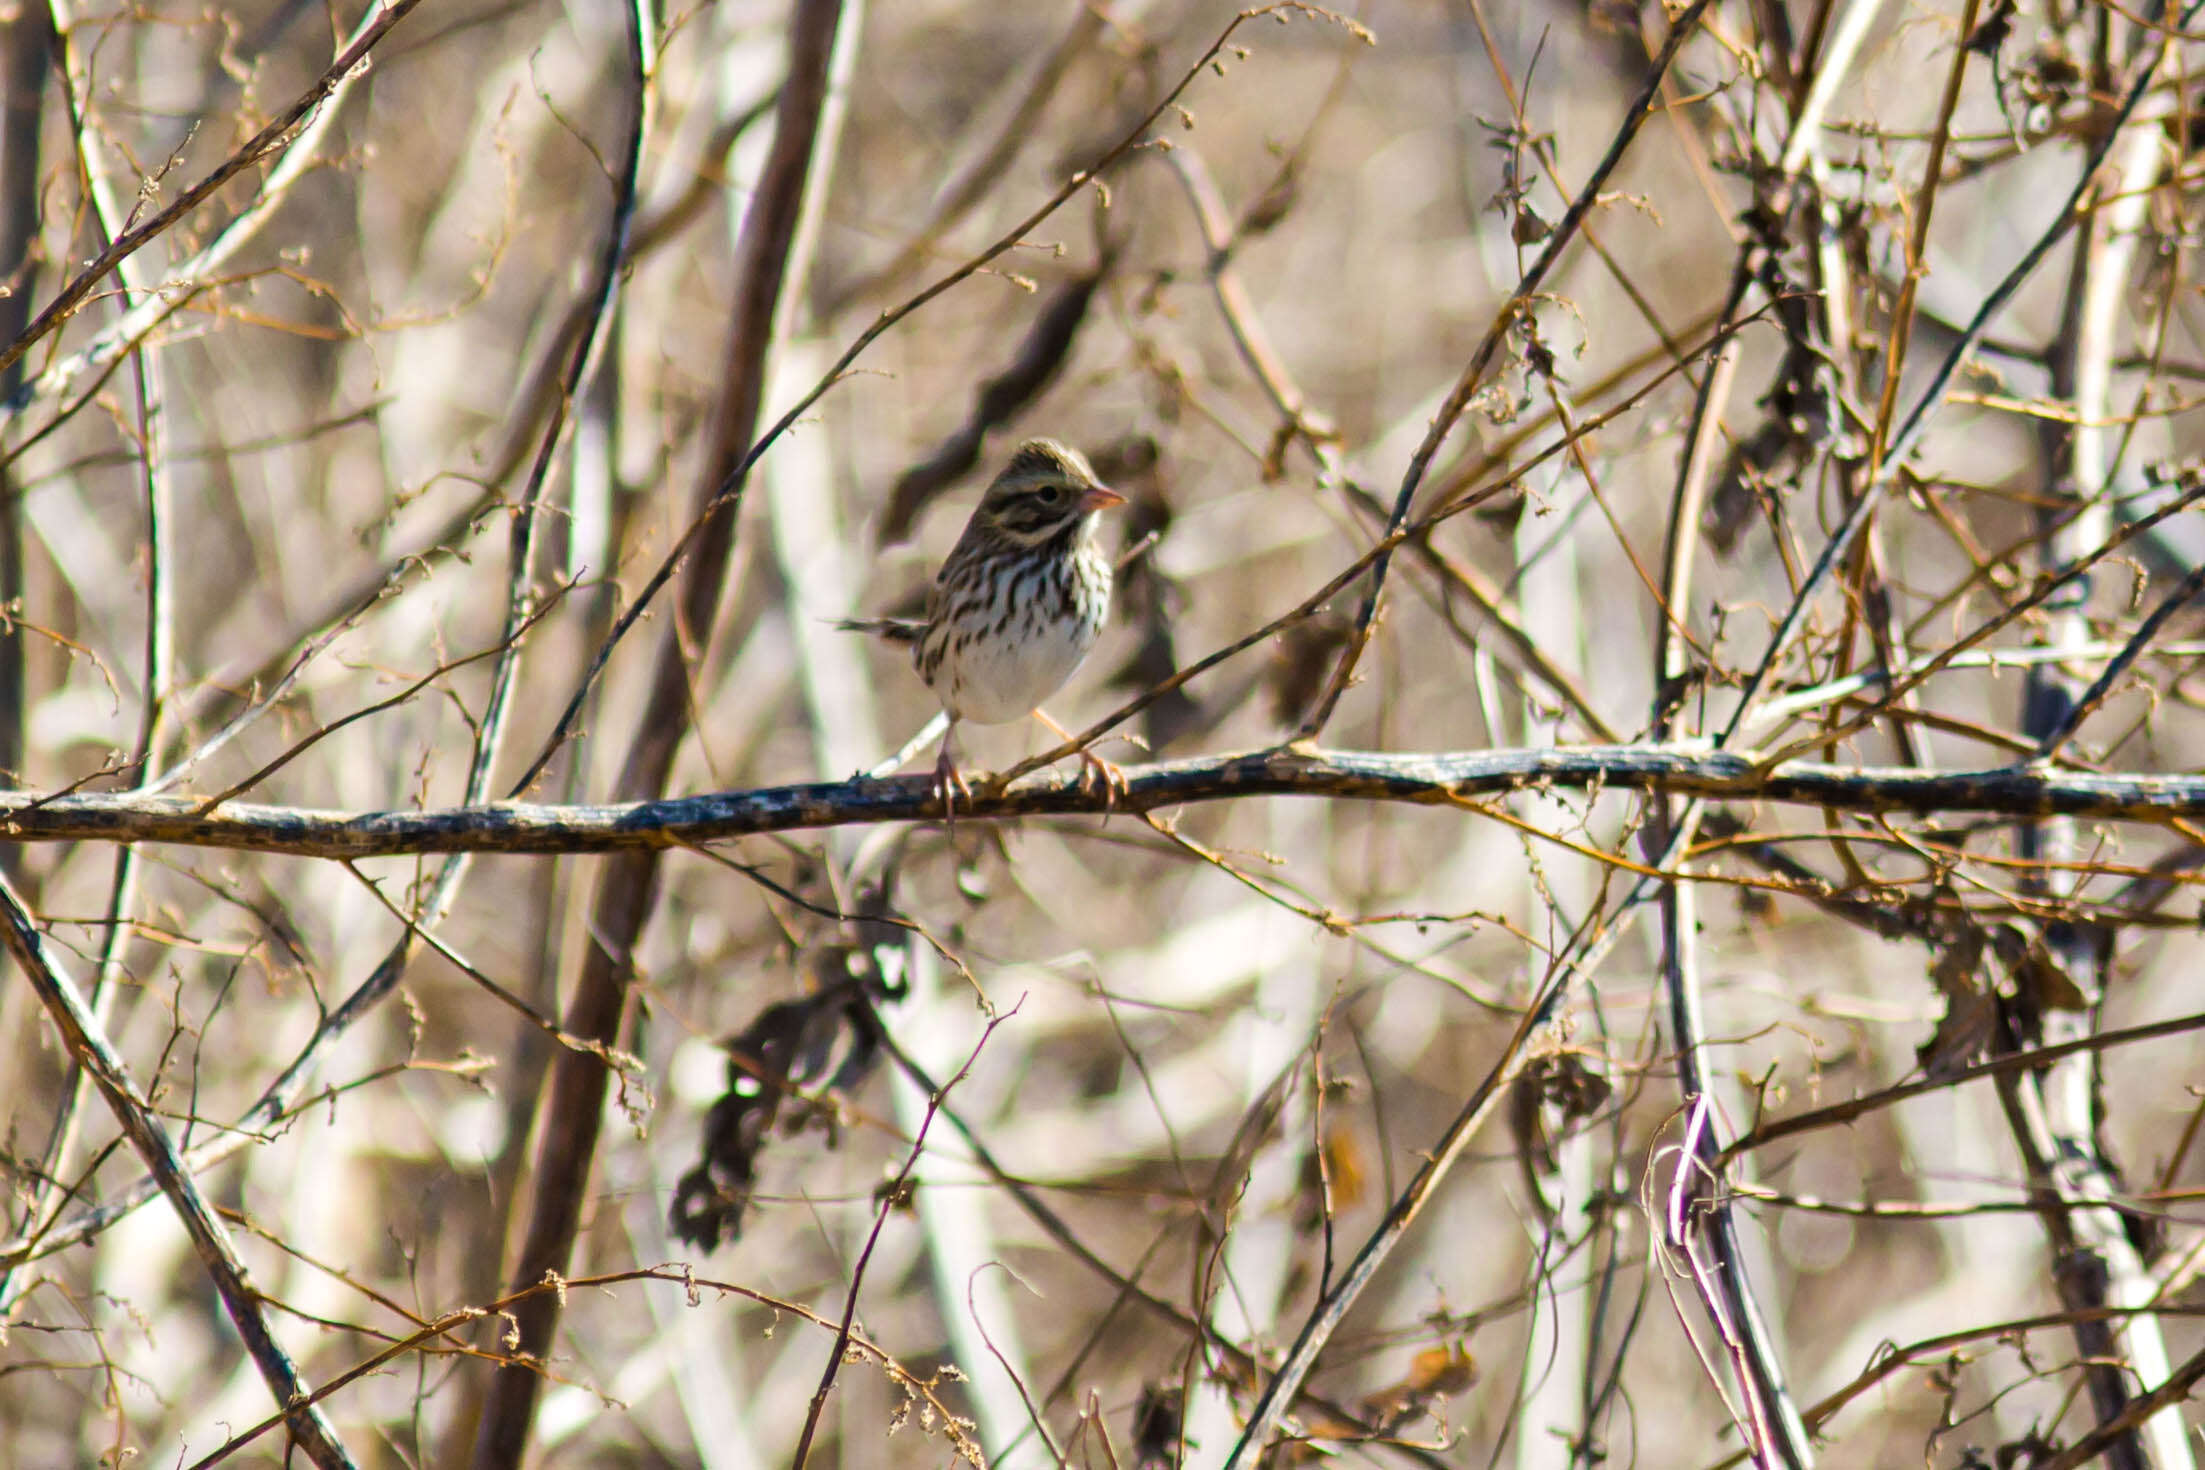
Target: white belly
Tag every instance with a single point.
(994, 681)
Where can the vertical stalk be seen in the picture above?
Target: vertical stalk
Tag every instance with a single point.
(26, 46)
(158, 673)
(2054, 1112)
(1775, 1430)
(766, 263)
(1555, 1425)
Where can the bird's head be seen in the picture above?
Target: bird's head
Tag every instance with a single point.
(1046, 488)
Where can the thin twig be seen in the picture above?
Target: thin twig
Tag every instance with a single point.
(1283, 1386)
(1877, 473)
(2009, 1062)
(277, 135)
(896, 1191)
(1481, 360)
(90, 1048)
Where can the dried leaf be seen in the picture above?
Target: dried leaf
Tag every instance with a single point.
(828, 1041)
(1156, 1426)
(1970, 1020)
(1304, 658)
(2042, 979)
(1434, 1374)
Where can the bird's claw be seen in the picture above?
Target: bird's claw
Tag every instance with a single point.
(949, 784)
(1100, 778)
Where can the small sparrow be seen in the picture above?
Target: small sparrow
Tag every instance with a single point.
(1020, 601)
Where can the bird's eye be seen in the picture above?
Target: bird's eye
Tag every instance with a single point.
(1051, 494)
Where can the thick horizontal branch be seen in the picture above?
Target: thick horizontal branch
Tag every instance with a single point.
(1434, 779)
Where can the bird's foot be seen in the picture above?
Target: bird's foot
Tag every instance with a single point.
(949, 784)
(1099, 777)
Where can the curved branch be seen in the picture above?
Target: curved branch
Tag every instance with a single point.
(1428, 778)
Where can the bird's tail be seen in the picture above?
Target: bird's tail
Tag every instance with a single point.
(895, 630)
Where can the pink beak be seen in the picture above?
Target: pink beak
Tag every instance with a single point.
(1100, 497)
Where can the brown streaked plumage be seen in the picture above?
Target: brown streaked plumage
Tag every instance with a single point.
(1018, 602)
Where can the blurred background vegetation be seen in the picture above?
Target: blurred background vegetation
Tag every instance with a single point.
(259, 539)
